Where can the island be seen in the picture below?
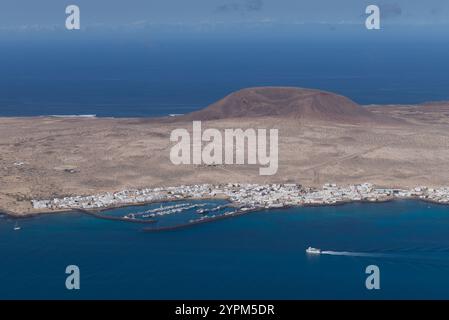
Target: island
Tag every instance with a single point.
(331, 151)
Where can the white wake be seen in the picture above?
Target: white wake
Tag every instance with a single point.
(357, 254)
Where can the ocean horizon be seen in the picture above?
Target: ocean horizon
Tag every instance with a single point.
(130, 77)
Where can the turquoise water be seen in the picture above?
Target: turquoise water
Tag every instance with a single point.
(259, 255)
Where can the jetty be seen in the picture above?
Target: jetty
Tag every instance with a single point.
(199, 221)
(113, 218)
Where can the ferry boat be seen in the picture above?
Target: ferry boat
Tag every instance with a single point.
(311, 250)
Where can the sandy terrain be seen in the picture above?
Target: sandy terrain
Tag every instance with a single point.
(53, 157)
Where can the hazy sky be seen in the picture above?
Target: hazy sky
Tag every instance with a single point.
(24, 14)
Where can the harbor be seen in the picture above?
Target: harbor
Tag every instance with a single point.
(241, 199)
(251, 196)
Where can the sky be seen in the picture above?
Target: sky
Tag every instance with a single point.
(44, 15)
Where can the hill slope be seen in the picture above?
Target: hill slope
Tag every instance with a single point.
(288, 102)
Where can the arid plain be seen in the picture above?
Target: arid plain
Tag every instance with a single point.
(323, 138)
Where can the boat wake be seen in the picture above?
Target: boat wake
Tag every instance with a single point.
(359, 254)
(435, 258)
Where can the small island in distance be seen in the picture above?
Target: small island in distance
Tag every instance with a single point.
(323, 137)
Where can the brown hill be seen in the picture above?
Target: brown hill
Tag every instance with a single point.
(288, 102)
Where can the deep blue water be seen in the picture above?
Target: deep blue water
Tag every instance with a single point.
(259, 255)
(149, 75)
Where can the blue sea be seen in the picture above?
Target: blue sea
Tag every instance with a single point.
(128, 75)
(260, 255)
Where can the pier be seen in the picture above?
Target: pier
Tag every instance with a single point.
(198, 221)
(106, 217)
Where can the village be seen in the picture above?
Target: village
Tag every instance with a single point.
(247, 197)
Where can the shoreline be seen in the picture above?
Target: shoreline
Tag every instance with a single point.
(425, 102)
(242, 198)
(238, 213)
(95, 212)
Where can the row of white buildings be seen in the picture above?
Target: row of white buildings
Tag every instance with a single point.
(247, 196)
